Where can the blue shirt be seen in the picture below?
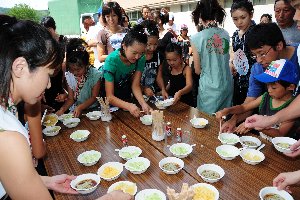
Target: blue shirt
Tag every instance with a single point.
(257, 88)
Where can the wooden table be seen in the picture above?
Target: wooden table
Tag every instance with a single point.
(241, 181)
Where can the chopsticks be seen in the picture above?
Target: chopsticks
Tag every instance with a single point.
(45, 112)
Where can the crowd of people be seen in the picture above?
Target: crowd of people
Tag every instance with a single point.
(257, 73)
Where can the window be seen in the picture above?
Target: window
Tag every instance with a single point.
(188, 7)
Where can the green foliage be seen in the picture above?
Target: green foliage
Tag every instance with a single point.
(24, 12)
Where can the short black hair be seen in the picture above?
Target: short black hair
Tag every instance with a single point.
(243, 5)
(164, 18)
(107, 8)
(267, 16)
(48, 22)
(265, 34)
(136, 34)
(85, 17)
(173, 47)
(151, 27)
(76, 52)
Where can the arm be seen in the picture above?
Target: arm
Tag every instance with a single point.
(196, 58)
(283, 130)
(59, 183)
(101, 52)
(17, 173)
(88, 102)
(283, 180)
(70, 101)
(160, 82)
(33, 113)
(188, 84)
(296, 150)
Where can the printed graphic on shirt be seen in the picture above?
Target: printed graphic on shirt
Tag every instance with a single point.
(217, 44)
(149, 74)
(116, 40)
(240, 62)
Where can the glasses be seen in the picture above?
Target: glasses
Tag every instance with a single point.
(261, 55)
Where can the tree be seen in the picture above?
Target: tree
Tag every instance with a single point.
(24, 12)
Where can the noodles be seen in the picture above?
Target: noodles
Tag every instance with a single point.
(109, 172)
(210, 174)
(203, 193)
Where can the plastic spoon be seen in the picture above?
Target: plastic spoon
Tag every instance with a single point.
(260, 147)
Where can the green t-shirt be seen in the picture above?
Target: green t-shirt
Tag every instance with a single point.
(115, 70)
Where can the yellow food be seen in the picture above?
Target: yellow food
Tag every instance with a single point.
(203, 193)
(252, 157)
(50, 120)
(127, 188)
(109, 172)
(202, 123)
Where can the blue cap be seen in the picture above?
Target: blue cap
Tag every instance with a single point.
(281, 69)
(99, 11)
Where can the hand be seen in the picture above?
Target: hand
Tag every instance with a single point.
(164, 94)
(284, 180)
(148, 92)
(228, 126)
(258, 122)
(179, 38)
(116, 195)
(294, 148)
(146, 108)
(177, 96)
(232, 68)
(59, 112)
(241, 129)
(134, 110)
(77, 111)
(61, 97)
(49, 108)
(219, 115)
(60, 183)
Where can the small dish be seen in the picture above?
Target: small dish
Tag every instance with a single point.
(228, 152)
(92, 179)
(268, 191)
(130, 152)
(110, 171)
(80, 135)
(283, 144)
(210, 173)
(199, 122)
(171, 165)
(89, 158)
(168, 102)
(150, 194)
(181, 150)
(137, 165)
(202, 190)
(50, 120)
(250, 142)
(146, 119)
(63, 117)
(229, 138)
(51, 130)
(159, 105)
(94, 115)
(71, 122)
(126, 186)
(252, 156)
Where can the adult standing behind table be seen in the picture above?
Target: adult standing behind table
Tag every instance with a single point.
(146, 12)
(28, 59)
(211, 58)
(123, 70)
(110, 38)
(284, 13)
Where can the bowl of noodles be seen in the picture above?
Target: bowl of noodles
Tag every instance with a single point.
(252, 156)
(85, 183)
(283, 144)
(204, 191)
(126, 186)
(272, 193)
(110, 171)
(210, 173)
(50, 120)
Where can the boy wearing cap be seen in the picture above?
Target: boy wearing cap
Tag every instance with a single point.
(281, 77)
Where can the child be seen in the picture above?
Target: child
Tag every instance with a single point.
(281, 78)
(184, 42)
(265, 18)
(123, 71)
(241, 13)
(180, 76)
(153, 59)
(83, 83)
(211, 57)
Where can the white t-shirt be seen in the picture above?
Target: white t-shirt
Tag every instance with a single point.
(9, 122)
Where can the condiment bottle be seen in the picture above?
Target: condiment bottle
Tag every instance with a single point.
(168, 129)
(124, 141)
(179, 134)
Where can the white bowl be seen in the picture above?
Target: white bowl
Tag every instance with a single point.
(168, 102)
(82, 177)
(150, 194)
(94, 115)
(51, 130)
(89, 158)
(252, 156)
(50, 120)
(181, 150)
(251, 139)
(137, 165)
(130, 152)
(160, 105)
(280, 143)
(71, 123)
(173, 160)
(126, 186)
(228, 152)
(146, 119)
(199, 122)
(63, 117)
(273, 190)
(211, 188)
(228, 138)
(109, 166)
(80, 135)
(211, 167)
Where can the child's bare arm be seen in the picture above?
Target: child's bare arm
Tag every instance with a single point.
(68, 103)
(160, 82)
(283, 130)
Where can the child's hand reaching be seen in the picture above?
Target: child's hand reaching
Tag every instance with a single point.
(134, 110)
(284, 180)
(148, 92)
(177, 96)
(61, 97)
(164, 94)
(219, 115)
(146, 108)
(77, 111)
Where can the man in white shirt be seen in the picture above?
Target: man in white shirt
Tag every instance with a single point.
(171, 25)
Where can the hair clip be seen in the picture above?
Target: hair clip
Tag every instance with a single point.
(146, 32)
(79, 48)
